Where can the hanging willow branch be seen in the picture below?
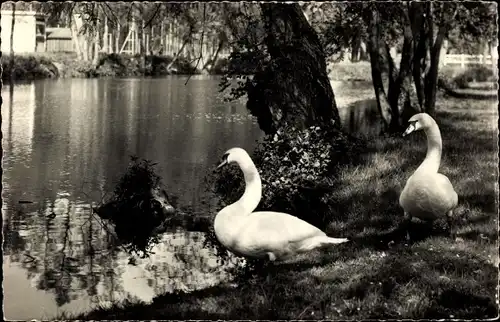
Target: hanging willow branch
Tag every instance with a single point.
(201, 41)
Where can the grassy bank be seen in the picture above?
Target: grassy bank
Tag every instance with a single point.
(377, 275)
(55, 65)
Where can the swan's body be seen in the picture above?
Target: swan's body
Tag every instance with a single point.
(263, 234)
(428, 195)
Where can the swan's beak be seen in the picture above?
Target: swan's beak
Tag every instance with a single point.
(409, 129)
(223, 163)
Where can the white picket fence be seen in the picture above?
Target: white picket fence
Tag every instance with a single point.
(463, 59)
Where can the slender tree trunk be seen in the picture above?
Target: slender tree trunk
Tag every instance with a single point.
(96, 40)
(355, 48)
(13, 23)
(294, 87)
(74, 36)
(213, 59)
(176, 56)
(402, 96)
(117, 38)
(376, 68)
(432, 78)
(420, 32)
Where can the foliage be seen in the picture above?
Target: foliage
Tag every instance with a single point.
(137, 207)
(475, 23)
(28, 67)
(249, 55)
(53, 65)
(475, 74)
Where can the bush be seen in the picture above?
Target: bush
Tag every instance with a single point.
(474, 74)
(111, 65)
(138, 208)
(28, 68)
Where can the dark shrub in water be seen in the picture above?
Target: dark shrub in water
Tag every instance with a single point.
(138, 208)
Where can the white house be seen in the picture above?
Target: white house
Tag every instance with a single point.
(29, 31)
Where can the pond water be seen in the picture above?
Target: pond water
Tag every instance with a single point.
(65, 144)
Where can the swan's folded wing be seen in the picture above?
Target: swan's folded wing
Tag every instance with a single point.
(449, 196)
(273, 228)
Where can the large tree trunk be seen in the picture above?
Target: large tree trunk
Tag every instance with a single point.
(294, 87)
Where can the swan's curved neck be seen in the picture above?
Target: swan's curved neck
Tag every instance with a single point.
(434, 149)
(253, 188)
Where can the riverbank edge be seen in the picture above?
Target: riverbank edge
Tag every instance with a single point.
(33, 66)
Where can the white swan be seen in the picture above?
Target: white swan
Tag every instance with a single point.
(263, 234)
(428, 194)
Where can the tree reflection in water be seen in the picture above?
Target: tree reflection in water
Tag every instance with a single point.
(72, 256)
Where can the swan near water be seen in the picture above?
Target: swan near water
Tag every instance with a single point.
(263, 234)
(428, 195)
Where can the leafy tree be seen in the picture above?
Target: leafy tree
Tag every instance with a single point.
(419, 30)
(289, 84)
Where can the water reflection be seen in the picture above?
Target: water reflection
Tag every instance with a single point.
(67, 141)
(362, 118)
(78, 267)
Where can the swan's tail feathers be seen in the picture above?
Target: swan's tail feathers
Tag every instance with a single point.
(319, 242)
(332, 240)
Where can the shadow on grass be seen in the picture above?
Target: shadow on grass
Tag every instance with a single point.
(441, 285)
(485, 202)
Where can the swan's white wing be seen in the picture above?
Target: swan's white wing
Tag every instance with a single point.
(266, 231)
(449, 195)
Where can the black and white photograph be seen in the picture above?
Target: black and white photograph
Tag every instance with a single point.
(259, 160)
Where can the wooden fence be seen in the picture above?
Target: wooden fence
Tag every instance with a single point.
(463, 59)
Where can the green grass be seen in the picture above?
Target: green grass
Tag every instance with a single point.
(377, 275)
(348, 71)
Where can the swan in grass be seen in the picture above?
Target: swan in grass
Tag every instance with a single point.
(263, 234)
(428, 194)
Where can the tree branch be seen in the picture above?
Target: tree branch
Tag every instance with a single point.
(154, 15)
(201, 41)
(111, 10)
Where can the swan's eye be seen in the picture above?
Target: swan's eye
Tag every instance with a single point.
(224, 158)
(223, 161)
